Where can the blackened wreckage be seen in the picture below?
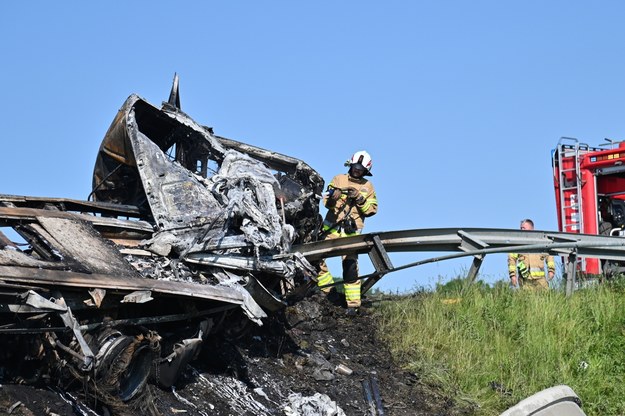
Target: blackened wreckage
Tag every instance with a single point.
(185, 235)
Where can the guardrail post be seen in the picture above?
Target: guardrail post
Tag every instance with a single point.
(571, 269)
(380, 259)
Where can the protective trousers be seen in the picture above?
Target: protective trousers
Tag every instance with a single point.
(350, 271)
(533, 284)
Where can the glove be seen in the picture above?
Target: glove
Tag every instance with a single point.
(334, 193)
(355, 196)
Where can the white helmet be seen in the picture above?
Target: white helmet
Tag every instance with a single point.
(363, 158)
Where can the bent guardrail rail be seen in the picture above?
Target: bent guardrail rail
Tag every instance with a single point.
(476, 242)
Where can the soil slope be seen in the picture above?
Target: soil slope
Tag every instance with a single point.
(310, 359)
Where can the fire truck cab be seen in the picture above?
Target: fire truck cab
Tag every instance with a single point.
(589, 187)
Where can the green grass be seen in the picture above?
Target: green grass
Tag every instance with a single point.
(493, 347)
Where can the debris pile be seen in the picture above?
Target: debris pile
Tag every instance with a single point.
(185, 236)
(311, 359)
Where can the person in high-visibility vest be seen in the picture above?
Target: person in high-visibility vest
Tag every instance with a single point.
(349, 200)
(528, 270)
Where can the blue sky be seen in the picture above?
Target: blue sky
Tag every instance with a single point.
(459, 103)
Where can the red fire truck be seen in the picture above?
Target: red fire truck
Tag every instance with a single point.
(590, 193)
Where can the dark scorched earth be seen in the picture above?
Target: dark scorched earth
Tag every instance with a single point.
(310, 360)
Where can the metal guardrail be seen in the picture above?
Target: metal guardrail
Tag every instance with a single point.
(462, 242)
(465, 242)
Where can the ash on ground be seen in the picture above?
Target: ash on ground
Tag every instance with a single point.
(311, 359)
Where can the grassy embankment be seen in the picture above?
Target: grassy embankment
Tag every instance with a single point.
(491, 347)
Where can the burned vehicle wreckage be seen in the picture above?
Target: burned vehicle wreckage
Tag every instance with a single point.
(184, 235)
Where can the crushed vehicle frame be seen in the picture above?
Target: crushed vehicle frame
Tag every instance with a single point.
(184, 235)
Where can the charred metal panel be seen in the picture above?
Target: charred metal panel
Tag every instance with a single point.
(64, 242)
(70, 279)
(12, 257)
(116, 178)
(9, 216)
(177, 199)
(184, 227)
(80, 242)
(66, 204)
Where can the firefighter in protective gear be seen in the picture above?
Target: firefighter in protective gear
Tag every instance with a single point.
(528, 270)
(349, 200)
